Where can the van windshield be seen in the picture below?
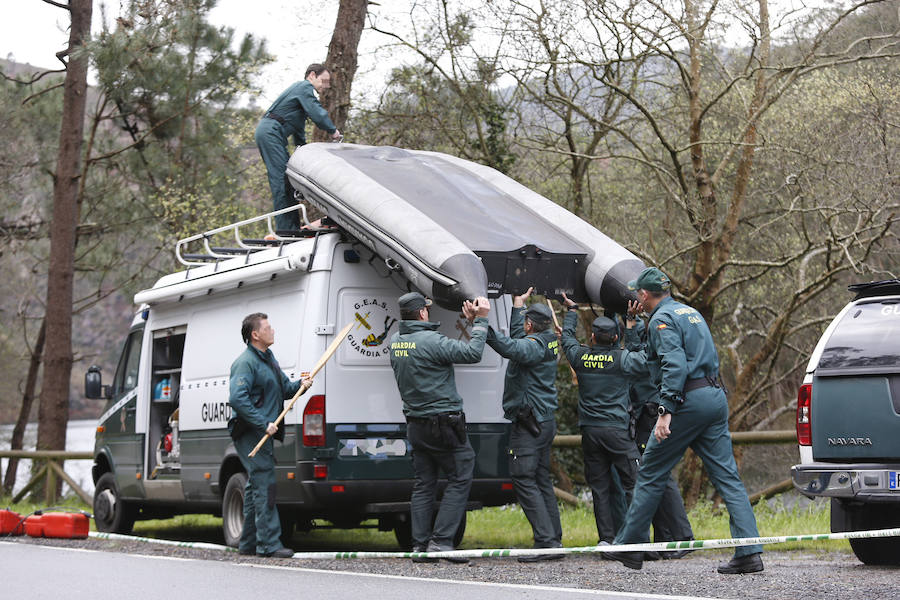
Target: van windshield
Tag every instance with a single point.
(867, 336)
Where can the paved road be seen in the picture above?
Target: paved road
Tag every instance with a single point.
(33, 572)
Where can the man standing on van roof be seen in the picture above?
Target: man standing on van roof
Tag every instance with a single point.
(529, 401)
(603, 371)
(287, 117)
(423, 359)
(693, 412)
(258, 388)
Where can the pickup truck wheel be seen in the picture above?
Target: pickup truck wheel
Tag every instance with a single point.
(863, 517)
(233, 509)
(111, 513)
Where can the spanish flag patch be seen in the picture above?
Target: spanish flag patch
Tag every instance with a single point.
(661, 326)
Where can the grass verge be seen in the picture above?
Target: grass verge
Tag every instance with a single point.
(499, 527)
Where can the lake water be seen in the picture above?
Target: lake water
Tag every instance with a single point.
(79, 438)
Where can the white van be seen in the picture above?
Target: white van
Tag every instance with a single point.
(162, 447)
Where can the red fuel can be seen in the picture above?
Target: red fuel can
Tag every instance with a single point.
(66, 525)
(34, 526)
(11, 523)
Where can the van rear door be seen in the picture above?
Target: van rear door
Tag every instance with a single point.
(856, 387)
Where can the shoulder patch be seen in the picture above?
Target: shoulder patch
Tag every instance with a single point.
(661, 326)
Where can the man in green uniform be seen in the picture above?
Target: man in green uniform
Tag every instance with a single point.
(287, 117)
(423, 359)
(693, 412)
(603, 371)
(529, 401)
(257, 391)
(670, 522)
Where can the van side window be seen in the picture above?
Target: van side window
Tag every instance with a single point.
(127, 371)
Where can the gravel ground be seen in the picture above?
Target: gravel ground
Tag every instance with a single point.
(832, 575)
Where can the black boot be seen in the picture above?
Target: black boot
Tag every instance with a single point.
(632, 560)
(752, 563)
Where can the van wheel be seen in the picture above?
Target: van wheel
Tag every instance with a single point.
(403, 532)
(233, 509)
(863, 517)
(287, 521)
(111, 513)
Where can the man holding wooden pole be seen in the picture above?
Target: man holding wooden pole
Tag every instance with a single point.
(257, 390)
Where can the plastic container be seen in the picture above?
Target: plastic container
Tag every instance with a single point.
(163, 391)
(66, 525)
(34, 526)
(11, 523)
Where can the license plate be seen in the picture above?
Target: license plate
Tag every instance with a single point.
(893, 480)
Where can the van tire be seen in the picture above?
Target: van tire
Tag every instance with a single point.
(233, 509)
(403, 532)
(863, 517)
(111, 513)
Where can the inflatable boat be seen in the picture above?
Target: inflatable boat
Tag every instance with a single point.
(456, 229)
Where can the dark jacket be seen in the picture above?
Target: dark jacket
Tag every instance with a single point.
(294, 105)
(258, 388)
(643, 389)
(680, 347)
(531, 372)
(603, 378)
(423, 358)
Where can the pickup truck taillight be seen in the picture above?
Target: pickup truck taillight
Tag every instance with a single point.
(314, 422)
(804, 407)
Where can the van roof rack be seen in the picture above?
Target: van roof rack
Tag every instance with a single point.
(887, 287)
(245, 246)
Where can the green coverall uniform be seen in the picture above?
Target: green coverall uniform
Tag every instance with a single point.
(603, 371)
(683, 361)
(287, 116)
(422, 359)
(531, 382)
(257, 390)
(670, 523)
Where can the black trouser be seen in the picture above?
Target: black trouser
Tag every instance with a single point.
(606, 448)
(439, 444)
(529, 467)
(670, 521)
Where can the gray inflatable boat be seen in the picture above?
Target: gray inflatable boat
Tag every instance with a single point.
(456, 229)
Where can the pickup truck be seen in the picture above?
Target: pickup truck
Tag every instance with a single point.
(848, 420)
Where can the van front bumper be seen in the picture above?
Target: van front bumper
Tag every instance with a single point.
(869, 482)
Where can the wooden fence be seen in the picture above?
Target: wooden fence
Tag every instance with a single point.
(780, 436)
(50, 470)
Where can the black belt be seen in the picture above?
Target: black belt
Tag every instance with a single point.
(275, 116)
(701, 382)
(429, 418)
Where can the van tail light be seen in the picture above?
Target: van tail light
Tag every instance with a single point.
(804, 412)
(314, 422)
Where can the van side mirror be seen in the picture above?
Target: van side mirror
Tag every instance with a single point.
(93, 384)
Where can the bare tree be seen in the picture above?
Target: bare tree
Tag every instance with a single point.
(342, 62)
(53, 415)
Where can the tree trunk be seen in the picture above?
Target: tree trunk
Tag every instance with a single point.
(18, 434)
(53, 416)
(342, 62)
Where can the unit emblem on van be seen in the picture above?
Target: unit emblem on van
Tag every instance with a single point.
(373, 323)
(852, 441)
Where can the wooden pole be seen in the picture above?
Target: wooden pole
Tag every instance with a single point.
(556, 324)
(68, 479)
(318, 367)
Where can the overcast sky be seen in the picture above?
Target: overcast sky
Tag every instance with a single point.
(297, 33)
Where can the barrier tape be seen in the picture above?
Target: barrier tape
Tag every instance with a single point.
(514, 552)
